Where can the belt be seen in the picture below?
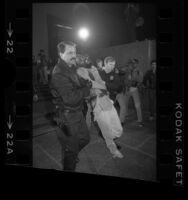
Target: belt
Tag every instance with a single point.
(66, 111)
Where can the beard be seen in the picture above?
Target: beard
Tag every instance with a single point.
(72, 61)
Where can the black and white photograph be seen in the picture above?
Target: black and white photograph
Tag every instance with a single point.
(94, 88)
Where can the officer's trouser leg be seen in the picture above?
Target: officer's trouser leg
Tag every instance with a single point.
(76, 137)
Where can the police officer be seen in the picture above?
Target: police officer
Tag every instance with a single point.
(110, 74)
(113, 81)
(69, 93)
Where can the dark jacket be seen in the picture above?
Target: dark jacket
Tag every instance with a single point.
(67, 88)
(114, 86)
(150, 79)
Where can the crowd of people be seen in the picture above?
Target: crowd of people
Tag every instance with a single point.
(42, 68)
(42, 71)
(125, 82)
(86, 92)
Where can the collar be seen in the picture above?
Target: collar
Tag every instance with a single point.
(64, 66)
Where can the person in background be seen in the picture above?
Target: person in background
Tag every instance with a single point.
(40, 67)
(121, 95)
(99, 64)
(35, 95)
(149, 82)
(46, 72)
(69, 94)
(79, 60)
(133, 80)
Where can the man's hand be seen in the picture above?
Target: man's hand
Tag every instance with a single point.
(98, 86)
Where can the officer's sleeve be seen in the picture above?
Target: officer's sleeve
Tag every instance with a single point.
(70, 95)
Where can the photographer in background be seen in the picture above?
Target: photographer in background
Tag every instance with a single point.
(149, 82)
(133, 80)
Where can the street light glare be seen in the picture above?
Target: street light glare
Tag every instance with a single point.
(83, 33)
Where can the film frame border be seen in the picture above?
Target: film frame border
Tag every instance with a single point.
(19, 96)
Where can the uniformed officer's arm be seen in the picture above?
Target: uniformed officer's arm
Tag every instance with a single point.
(71, 95)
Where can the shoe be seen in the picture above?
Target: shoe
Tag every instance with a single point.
(117, 145)
(117, 154)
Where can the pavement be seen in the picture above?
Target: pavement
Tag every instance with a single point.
(138, 147)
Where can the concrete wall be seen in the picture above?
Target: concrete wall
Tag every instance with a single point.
(61, 11)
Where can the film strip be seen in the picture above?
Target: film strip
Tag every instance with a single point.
(18, 103)
(170, 144)
(170, 103)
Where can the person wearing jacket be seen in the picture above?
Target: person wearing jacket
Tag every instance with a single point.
(149, 82)
(69, 92)
(114, 82)
(133, 80)
(111, 77)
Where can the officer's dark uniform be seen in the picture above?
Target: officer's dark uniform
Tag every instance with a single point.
(114, 85)
(69, 92)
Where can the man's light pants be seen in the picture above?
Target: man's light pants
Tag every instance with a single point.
(123, 100)
(109, 124)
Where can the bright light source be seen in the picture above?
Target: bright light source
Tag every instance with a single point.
(83, 33)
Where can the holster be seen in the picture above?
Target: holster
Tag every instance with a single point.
(61, 121)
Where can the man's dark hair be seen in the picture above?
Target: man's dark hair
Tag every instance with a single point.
(61, 46)
(153, 61)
